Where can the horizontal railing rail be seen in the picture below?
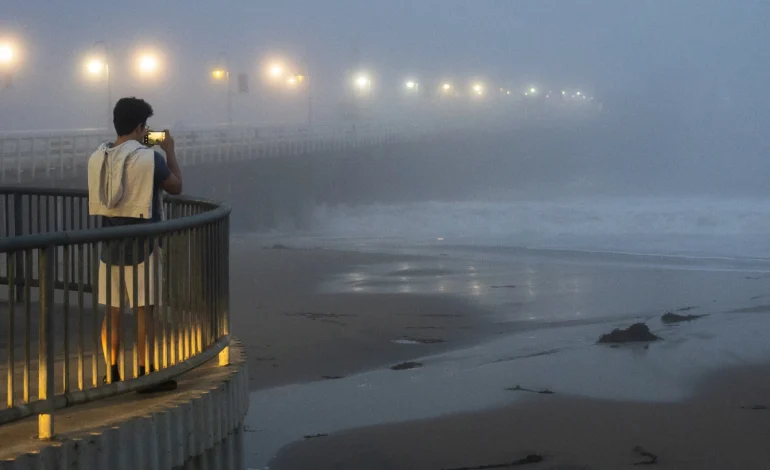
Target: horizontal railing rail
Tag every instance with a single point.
(68, 285)
(47, 156)
(27, 157)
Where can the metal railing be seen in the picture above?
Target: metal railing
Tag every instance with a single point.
(56, 155)
(26, 157)
(56, 264)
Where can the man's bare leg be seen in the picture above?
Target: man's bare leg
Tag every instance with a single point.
(112, 350)
(146, 333)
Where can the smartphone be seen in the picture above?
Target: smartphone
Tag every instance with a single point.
(154, 138)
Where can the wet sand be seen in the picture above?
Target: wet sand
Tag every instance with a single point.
(567, 432)
(325, 395)
(590, 407)
(293, 333)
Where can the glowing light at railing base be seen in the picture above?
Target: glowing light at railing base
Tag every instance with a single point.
(224, 356)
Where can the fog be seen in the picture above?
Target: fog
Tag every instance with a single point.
(679, 91)
(558, 169)
(666, 60)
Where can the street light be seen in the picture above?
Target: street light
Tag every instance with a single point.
(276, 71)
(98, 66)
(292, 76)
(8, 57)
(478, 89)
(95, 67)
(148, 64)
(222, 73)
(363, 82)
(7, 54)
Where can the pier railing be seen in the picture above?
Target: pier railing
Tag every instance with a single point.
(51, 156)
(59, 269)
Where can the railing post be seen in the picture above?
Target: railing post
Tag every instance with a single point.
(18, 228)
(223, 235)
(46, 351)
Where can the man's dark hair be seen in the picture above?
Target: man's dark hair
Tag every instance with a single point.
(129, 113)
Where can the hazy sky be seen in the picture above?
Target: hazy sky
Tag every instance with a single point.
(606, 46)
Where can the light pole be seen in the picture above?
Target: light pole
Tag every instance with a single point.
(101, 65)
(282, 75)
(309, 94)
(222, 72)
(7, 59)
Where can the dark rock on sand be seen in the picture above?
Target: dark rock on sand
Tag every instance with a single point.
(315, 436)
(638, 332)
(532, 458)
(279, 246)
(652, 459)
(520, 389)
(755, 407)
(670, 317)
(406, 366)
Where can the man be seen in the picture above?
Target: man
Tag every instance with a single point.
(125, 184)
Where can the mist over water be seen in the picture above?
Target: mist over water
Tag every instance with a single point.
(676, 161)
(684, 226)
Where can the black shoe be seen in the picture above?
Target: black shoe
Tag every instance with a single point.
(166, 386)
(115, 375)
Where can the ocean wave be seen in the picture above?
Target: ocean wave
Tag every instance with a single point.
(694, 227)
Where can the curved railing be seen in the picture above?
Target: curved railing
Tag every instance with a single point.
(51, 299)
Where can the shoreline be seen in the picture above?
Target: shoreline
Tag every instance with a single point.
(582, 406)
(566, 432)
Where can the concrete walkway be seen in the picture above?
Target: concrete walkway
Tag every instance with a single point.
(197, 426)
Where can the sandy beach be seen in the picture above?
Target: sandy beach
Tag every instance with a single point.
(294, 333)
(396, 361)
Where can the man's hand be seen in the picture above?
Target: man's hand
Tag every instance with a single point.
(168, 143)
(173, 184)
